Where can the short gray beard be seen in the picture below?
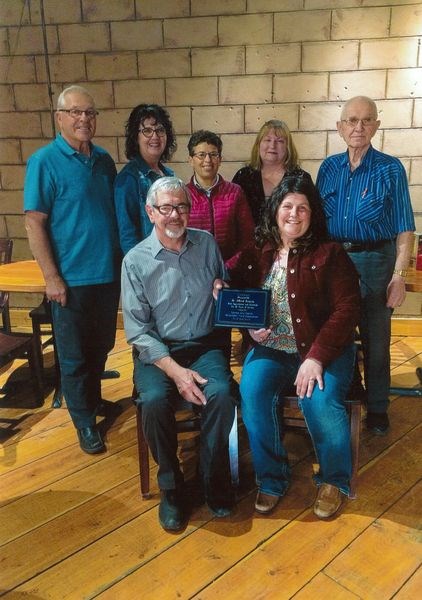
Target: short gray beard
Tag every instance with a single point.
(174, 235)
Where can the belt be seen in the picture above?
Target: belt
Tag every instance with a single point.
(364, 246)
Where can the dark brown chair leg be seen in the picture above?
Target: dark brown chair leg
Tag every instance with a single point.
(36, 370)
(143, 455)
(7, 327)
(355, 413)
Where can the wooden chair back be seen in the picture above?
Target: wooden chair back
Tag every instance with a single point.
(22, 345)
(6, 249)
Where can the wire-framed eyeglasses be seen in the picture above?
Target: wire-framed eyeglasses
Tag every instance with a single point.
(354, 121)
(203, 155)
(76, 113)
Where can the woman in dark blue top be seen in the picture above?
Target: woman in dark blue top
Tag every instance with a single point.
(150, 141)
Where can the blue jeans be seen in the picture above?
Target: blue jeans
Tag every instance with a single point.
(159, 398)
(375, 269)
(85, 331)
(268, 373)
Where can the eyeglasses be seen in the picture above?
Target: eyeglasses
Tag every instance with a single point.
(148, 132)
(76, 113)
(167, 209)
(203, 155)
(354, 121)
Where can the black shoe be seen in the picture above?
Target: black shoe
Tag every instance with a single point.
(378, 423)
(90, 440)
(170, 513)
(109, 409)
(220, 506)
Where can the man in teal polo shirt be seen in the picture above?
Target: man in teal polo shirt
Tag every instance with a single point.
(72, 231)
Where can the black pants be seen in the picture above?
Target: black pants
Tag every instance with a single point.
(85, 331)
(158, 396)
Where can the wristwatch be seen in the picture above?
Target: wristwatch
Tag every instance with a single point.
(401, 272)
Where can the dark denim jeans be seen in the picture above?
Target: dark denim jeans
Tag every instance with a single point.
(159, 398)
(266, 374)
(85, 331)
(375, 269)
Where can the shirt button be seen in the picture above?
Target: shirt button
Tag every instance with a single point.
(302, 344)
(313, 267)
(295, 251)
(249, 267)
(298, 320)
(292, 270)
(293, 295)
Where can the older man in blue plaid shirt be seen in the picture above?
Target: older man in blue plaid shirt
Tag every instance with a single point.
(367, 204)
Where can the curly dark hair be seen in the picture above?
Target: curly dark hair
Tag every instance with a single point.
(137, 118)
(203, 135)
(268, 231)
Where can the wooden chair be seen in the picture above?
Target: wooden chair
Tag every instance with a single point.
(6, 248)
(42, 325)
(289, 403)
(192, 422)
(22, 345)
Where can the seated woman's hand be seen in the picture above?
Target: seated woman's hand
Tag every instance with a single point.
(259, 335)
(310, 371)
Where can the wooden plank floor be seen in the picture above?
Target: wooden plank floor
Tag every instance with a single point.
(74, 526)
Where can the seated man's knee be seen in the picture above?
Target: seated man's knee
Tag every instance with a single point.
(152, 399)
(222, 392)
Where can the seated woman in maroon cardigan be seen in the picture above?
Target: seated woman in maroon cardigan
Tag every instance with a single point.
(309, 343)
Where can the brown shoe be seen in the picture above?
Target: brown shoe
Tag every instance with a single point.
(265, 503)
(328, 501)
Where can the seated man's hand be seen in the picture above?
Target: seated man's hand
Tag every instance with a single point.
(187, 386)
(218, 285)
(186, 380)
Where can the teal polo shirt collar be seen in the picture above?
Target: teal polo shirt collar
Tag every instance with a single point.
(66, 148)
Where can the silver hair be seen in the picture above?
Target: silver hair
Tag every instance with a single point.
(72, 89)
(166, 184)
(366, 99)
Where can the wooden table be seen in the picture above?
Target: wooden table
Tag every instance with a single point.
(414, 280)
(26, 276)
(21, 276)
(413, 284)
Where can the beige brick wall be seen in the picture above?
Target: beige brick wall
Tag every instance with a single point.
(228, 65)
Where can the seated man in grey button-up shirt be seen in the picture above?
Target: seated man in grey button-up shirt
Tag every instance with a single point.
(168, 309)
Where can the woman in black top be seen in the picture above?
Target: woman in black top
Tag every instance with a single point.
(273, 157)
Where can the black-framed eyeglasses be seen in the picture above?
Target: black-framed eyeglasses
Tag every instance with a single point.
(203, 155)
(354, 121)
(148, 132)
(167, 209)
(76, 113)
